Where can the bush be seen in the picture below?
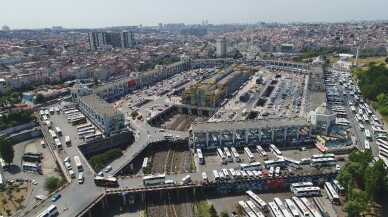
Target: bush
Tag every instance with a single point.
(98, 162)
(51, 183)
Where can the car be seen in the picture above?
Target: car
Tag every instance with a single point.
(34, 182)
(100, 174)
(337, 167)
(80, 178)
(67, 159)
(161, 130)
(55, 197)
(108, 168)
(19, 180)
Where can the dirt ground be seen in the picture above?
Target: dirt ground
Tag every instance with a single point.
(16, 197)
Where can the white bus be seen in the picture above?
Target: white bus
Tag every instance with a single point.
(78, 164)
(53, 134)
(246, 208)
(81, 135)
(249, 154)
(235, 154)
(154, 179)
(257, 200)
(282, 207)
(221, 155)
(233, 173)
(270, 173)
(275, 163)
(323, 162)
(367, 145)
(216, 175)
(338, 187)
(228, 155)
(365, 118)
(52, 210)
(367, 135)
(168, 137)
(307, 191)
(204, 177)
(314, 212)
(374, 117)
(358, 118)
(226, 173)
(275, 211)
(292, 162)
(254, 209)
(302, 208)
(320, 207)
(58, 144)
(92, 137)
(85, 129)
(275, 150)
(83, 126)
(292, 208)
(58, 130)
(297, 185)
(200, 156)
(251, 166)
(262, 153)
(145, 163)
(317, 156)
(331, 193)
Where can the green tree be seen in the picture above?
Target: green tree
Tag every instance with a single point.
(376, 180)
(212, 211)
(7, 91)
(51, 183)
(39, 98)
(6, 150)
(239, 209)
(386, 60)
(224, 214)
(353, 208)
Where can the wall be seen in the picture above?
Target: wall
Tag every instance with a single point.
(19, 128)
(31, 134)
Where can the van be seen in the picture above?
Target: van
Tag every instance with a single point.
(43, 144)
(71, 173)
(186, 179)
(80, 178)
(169, 182)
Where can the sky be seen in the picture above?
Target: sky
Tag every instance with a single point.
(106, 13)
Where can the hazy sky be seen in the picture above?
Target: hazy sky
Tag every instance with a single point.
(103, 13)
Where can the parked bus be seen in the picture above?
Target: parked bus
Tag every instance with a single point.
(168, 137)
(323, 162)
(358, 118)
(282, 207)
(249, 154)
(292, 162)
(78, 164)
(338, 187)
(369, 112)
(228, 155)
(106, 182)
(251, 166)
(226, 173)
(58, 130)
(85, 129)
(51, 211)
(233, 173)
(366, 145)
(381, 134)
(353, 109)
(361, 127)
(292, 208)
(277, 171)
(262, 153)
(275, 163)
(246, 208)
(52, 133)
(257, 200)
(67, 141)
(317, 156)
(84, 126)
(154, 179)
(200, 156)
(32, 167)
(92, 137)
(270, 173)
(58, 144)
(221, 155)
(314, 212)
(320, 207)
(81, 135)
(31, 158)
(307, 191)
(235, 154)
(254, 209)
(274, 209)
(331, 193)
(302, 208)
(275, 150)
(296, 185)
(216, 175)
(365, 118)
(367, 135)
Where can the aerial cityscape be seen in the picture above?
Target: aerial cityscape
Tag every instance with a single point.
(184, 110)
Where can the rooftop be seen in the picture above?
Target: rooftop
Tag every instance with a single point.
(100, 106)
(251, 124)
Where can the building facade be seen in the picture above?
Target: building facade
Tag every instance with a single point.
(221, 47)
(99, 40)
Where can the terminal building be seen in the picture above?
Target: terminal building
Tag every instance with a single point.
(108, 119)
(277, 131)
(212, 91)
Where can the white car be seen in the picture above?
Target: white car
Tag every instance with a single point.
(337, 167)
(108, 168)
(34, 182)
(80, 178)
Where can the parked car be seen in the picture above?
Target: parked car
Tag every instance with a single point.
(108, 168)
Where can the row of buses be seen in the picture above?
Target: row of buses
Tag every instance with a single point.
(294, 207)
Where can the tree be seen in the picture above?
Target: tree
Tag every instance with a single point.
(39, 98)
(51, 183)
(353, 208)
(6, 150)
(213, 212)
(224, 214)
(239, 209)
(376, 180)
(386, 60)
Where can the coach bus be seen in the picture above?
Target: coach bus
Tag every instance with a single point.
(366, 145)
(282, 207)
(221, 155)
(277, 163)
(52, 133)
(154, 179)
(367, 135)
(338, 187)
(228, 155)
(275, 150)
(292, 208)
(331, 193)
(84, 126)
(106, 182)
(249, 154)
(52, 210)
(251, 166)
(216, 175)
(257, 200)
(78, 164)
(275, 211)
(317, 156)
(235, 154)
(262, 153)
(246, 208)
(314, 212)
(254, 209)
(302, 208)
(307, 191)
(320, 207)
(145, 163)
(323, 162)
(296, 185)
(200, 156)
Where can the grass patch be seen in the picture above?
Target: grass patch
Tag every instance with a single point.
(202, 208)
